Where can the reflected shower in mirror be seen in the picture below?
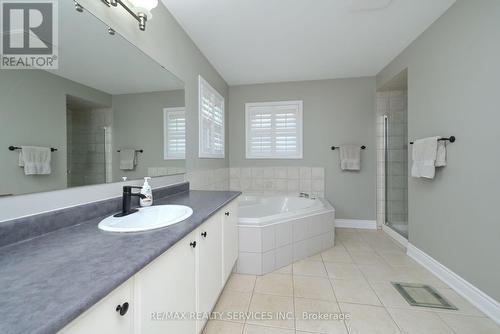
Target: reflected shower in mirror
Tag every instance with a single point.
(111, 112)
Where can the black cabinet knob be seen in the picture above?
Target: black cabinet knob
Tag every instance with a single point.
(227, 213)
(204, 234)
(122, 309)
(193, 244)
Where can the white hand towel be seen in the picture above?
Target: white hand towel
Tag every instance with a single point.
(441, 154)
(35, 160)
(350, 157)
(424, 157)
(128, 159)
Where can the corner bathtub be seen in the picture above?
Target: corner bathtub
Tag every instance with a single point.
(275, 231)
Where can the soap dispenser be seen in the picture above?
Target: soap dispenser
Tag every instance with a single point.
(146, 191)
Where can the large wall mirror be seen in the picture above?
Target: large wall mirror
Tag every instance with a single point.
(109, 112)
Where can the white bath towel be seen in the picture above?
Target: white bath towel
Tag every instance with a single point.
(441, 154)
(424, 157)
(128, 159)
(350, 157)
(35, 160)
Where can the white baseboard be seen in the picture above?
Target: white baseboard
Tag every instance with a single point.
(395, 235)
(476, 297)
(356, 223)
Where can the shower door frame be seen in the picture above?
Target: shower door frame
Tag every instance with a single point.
(386, 174)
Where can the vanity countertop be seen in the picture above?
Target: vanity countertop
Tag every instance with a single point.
(48, 281)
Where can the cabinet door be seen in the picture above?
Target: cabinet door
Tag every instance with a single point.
(103, 317)
(209, 265)
(229, 239)
(165, 288)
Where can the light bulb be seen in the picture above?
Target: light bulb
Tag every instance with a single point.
(147, 5)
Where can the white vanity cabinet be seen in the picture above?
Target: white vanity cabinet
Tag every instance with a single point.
(165, 289)
(185, 281)
(208, 267)
(229, 239)
(105, 316)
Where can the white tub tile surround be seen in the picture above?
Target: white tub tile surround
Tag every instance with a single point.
(162, 171)
(263, 249)
(284, 180)
(209, 179)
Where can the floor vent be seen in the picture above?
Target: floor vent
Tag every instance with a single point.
(423, 296)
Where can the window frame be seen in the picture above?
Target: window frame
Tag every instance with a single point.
(203, 84)
(166, 112)
(300, 129)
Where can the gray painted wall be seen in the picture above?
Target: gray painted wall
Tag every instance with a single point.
(138, 123)
(33, 112)
(453, 82)
(335, 112)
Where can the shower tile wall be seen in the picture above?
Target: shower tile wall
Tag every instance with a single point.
(393, 104)
(87, 145)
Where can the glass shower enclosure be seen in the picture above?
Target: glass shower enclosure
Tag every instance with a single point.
(396, 168)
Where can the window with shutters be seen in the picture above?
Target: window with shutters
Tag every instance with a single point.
(211, 117)
(274, 130)
(174, 124)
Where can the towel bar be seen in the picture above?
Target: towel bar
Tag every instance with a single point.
(451, 139)
(137, 151)
(13, 148)
(337, 147)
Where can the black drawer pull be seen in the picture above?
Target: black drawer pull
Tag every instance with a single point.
(227, 213)
(204, 234)
(193, 244)
(122, 309)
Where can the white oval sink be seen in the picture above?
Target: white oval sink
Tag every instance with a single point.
(147, 218)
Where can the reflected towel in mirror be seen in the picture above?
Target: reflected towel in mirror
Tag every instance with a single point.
(35, 160)
(128, 159)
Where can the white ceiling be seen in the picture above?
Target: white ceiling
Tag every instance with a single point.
(254, 41)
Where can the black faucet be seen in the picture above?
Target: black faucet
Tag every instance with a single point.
(126, 201)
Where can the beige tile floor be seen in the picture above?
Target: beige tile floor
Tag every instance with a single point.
(354, 278)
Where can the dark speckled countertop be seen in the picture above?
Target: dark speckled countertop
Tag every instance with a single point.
(48, 281)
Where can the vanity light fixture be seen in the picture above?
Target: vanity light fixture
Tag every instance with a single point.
(78, 7)
(139, 9)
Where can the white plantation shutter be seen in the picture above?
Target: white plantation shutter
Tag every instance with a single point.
(174, 120)
(274, 130)
(211, 115)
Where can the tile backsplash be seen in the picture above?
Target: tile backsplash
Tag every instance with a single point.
(278, 180)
